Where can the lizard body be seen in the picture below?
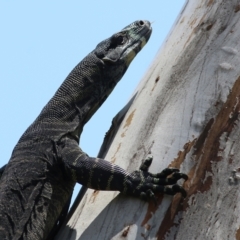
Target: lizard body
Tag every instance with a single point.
(38, 181)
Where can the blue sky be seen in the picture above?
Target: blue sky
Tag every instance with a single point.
(42, 41)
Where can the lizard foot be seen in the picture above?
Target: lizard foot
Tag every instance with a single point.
(144, 184)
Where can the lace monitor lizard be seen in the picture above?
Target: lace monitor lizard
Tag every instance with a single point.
(37, 183)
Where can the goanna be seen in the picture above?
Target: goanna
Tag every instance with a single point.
(47, 162)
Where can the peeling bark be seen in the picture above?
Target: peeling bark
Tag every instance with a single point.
(186, 114)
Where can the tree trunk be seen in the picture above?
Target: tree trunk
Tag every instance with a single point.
(185, 113)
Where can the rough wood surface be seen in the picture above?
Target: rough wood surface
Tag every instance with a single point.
(185, 113)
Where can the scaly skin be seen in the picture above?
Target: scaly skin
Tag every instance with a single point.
(38, 181)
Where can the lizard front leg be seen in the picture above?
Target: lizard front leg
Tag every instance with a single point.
(100, 174)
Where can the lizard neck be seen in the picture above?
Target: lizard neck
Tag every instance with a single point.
(77, 99)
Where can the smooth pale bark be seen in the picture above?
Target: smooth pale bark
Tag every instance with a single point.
(185, 113)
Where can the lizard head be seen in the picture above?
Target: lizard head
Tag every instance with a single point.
(119, 50)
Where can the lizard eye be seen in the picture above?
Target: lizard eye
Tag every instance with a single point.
(117, 40)
(120, 40)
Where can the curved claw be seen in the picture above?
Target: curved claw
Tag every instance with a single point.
(151, 195)
(166, 172)
(176, 188)
(180, 175)
(170, 170)
(148, 195)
